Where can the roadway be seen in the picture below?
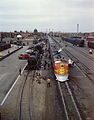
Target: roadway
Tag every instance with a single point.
(9, 70)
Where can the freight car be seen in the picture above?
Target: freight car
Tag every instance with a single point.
(32, 62)
(36, 53)
(4, 46)
(90, 44)
(74, 41)
(37, 47)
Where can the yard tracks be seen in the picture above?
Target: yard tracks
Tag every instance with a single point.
(24, 104)
(69, 103)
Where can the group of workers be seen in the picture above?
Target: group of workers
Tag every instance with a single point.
(48, 80)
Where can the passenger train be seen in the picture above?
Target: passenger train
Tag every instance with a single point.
(61, 70)
(75, 41)
(60, 65)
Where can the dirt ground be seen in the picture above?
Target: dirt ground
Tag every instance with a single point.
(44, 103)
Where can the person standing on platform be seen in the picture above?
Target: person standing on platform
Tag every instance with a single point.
(20, 71)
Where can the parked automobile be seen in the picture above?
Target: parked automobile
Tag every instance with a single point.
(24, 56)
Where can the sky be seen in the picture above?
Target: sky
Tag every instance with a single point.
(47, 15)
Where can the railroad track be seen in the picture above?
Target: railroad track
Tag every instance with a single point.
(83, 68)
(69, 103)
(83, 53)
(69, 100)
(80, 51)
(24, 98)
(71, 111)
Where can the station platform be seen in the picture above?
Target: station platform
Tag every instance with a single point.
(7, 52)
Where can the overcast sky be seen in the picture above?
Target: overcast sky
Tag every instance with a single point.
(45, 15)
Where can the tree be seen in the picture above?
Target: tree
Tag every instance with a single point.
(15, 31)
(27, 31)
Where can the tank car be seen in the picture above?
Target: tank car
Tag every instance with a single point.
(32, 62)
(33, 59)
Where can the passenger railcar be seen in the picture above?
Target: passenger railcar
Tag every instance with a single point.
(74, 41)
(91, 44)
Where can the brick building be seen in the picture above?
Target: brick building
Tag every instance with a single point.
(6, 35)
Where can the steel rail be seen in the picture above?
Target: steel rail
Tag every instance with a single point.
(64, 101)
(73, 101)
(71, 96)
(85, 70)
(21, 97)
(30, 80)
(30, 97)
(83, 53)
